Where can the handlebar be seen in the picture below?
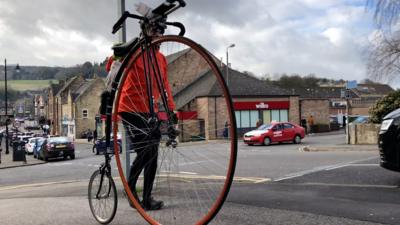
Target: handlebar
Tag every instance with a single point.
(178, 25)
(121, 20)
(163, 10)
(182, 3)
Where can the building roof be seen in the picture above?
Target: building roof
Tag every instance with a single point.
(373, 89)
(172, 57)
(240, 85)
(66, 85)
(321, 92)
(75, 94)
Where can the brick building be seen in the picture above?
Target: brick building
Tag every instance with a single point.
(202, 108)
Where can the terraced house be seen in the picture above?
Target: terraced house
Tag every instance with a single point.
(73, 105)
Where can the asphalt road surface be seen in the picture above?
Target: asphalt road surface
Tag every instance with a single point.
(284, 186)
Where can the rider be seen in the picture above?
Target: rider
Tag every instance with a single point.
(134, 112)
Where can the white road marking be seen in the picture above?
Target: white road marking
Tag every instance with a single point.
(322, 168)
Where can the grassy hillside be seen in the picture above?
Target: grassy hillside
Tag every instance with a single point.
(24, 85)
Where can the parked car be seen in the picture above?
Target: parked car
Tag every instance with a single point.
(57, 147)
(388, 142)
(99, 146)
(360, 120)
(38, 145)
(275, 133)
(30, 145)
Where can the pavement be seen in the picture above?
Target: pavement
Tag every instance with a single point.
(7, 160)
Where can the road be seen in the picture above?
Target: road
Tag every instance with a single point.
(293, 187)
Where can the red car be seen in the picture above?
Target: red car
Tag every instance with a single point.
(275, 132)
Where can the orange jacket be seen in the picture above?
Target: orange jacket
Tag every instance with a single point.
(134, 91)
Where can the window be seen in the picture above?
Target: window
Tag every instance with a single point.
(84, 113)
(267, 116)
(275, 115)
(287, 126)
(245, 118)
(284, 115)
(253, 118)
(237, 115)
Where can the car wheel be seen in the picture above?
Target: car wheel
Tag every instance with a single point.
(297, 139)
(267, 141)
(250, 144)
(72, 156)
(45, 158)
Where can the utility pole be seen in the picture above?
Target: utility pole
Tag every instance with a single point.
(121, 10)
(6, 100)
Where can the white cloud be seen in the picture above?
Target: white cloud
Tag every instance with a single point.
(287, 36)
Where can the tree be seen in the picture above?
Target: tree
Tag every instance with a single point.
(386, 12)
(383, 61)
(384, 58)
(385, 106)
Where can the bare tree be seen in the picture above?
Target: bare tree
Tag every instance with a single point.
(384, 58)
(384, 53)
(386, 12)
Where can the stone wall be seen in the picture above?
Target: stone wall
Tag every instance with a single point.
(190, 129)
(364, 133)
(294, 111)
(203, 113)
(318, 108)
(185, 69)
(89, 100)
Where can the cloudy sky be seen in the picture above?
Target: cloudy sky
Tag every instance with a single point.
(323, 37)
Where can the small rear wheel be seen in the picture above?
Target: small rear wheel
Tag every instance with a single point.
(103, 198)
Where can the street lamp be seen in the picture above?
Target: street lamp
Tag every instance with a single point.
(227, 63)
(17, 69)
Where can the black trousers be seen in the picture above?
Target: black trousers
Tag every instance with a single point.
(146, 146)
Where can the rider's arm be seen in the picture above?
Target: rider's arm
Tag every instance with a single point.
(171, 103)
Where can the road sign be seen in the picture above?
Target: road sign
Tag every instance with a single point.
(351, 84)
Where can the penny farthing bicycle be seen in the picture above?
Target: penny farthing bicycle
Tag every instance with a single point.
(180, 111)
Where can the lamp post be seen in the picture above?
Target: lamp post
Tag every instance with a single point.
(227, 64)
(17, 69)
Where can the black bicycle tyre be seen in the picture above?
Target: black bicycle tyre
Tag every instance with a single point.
(92, 192)
(232, 121)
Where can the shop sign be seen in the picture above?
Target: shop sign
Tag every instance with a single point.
(261, 105)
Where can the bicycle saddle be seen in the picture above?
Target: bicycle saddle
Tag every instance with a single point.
(121, 49)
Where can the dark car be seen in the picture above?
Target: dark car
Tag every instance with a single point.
(389, 143)
(56, 147)
(100, 145)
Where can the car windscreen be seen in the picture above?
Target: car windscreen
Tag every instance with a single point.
(265, 127)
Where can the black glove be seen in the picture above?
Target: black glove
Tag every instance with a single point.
(173, 117)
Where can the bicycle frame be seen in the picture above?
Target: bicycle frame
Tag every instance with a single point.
(105, 169)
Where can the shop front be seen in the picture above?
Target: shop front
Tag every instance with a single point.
(249, 112)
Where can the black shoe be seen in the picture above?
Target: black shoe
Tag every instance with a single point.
(152, 204)
(130, 202)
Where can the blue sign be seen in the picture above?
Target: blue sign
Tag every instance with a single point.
(351, 84)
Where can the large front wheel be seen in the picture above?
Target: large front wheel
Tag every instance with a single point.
(192, 178)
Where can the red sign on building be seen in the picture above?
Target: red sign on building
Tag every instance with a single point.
(261, 105)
